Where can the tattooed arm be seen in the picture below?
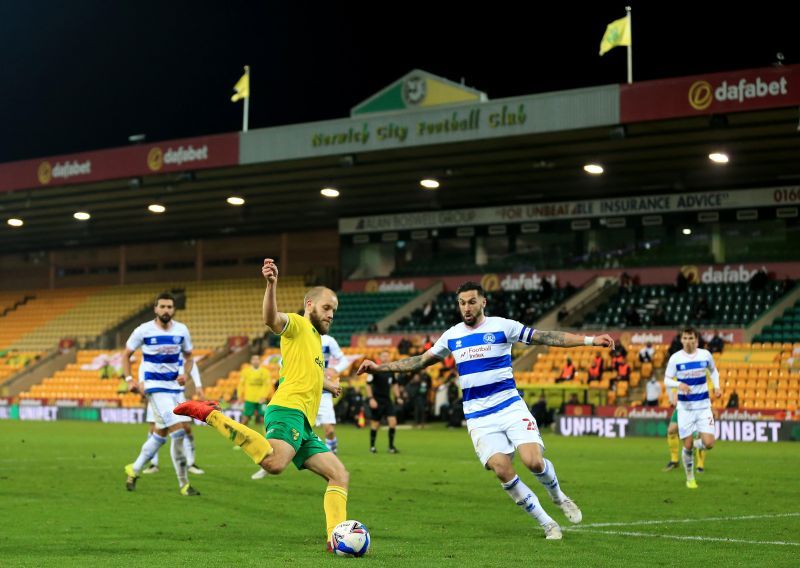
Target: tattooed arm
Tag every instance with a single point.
(408, 365)
(564, 339)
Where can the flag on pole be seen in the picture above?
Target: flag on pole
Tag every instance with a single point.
(242, 88)
(617, 33)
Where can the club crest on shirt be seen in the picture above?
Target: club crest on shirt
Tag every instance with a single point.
(176, 339)
(458, 344)
(489, 338)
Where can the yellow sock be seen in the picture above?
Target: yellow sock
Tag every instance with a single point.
(701, 459)
(335, 502)
(251, 442)
(674, 444)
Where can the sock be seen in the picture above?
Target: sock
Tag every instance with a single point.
(372, 435)
(149, 449)
(525, 498)
(688, 463)
(178, 457)
(188, 448)
(550, 482)
(701, 459)
(332, 444)
(154, 459)
(335, 503)
(674, 443)
(391, 437)
(251, 442)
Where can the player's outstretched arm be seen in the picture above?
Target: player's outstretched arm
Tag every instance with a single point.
(407, 365)
(565, 339)
(274, 319)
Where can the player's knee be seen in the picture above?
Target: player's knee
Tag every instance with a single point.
(708, 444)
(273, 466)
(341, 476)
(535, 464)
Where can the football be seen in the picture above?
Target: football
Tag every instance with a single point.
(350, 538)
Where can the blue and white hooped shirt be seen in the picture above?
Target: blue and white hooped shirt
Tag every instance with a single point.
(691, 370)
(483, 360)
(161, 354)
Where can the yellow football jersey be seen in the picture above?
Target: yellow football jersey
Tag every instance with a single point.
(255, 384)
(302, 369)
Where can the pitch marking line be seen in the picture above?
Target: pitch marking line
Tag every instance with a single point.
(695, 520)
(590, 528)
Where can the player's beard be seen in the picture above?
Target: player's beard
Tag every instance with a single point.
(165, 318)
(473, 318)
(318, 323)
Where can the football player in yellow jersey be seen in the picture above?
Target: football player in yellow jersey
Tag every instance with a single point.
(294, 406)
(255, 388)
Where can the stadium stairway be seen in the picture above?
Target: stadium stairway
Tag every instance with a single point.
(409, 307)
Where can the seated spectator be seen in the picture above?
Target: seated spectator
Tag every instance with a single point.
(623, 372)
(717, 344)
(647, 353)
(567, 372)
(652, 391)
(404, 346)
(428, 313)
(617, 358)
(542, 415)
(632, 316)
(596, 368)
(733, 401)
(573, 400)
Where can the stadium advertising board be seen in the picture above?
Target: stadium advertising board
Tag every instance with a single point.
(716, 93)
(516, 281)
(726, 430)
(146, 159)
(373, 340)
(568, 210)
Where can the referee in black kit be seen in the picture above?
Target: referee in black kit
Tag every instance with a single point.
(379, 403)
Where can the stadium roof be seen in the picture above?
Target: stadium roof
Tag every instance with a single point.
(511, 151)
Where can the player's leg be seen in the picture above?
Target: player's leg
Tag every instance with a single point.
(673, 441)
(521, 494)
(705, 439)
(391, 422)
(150, 448)
(326, 417)
(251, 442)
(330, 437)
(330, 467)
(686, 428)
(375, 416)
(153, 467)
(189, 450)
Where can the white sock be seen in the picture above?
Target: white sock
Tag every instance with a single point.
(154, 459)
(549, 481)
(526, 499)
(688, 463)
(188, 448)
(178, 457)
(699, 445)
(149, 449)
(332, 444)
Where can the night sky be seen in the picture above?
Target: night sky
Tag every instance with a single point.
(85, 75)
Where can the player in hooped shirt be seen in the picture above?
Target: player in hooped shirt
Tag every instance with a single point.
(498, 420)
(686, 371)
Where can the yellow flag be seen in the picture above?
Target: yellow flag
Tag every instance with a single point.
(617, 33)
(242, 88)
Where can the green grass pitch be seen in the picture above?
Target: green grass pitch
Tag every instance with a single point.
(63, 503)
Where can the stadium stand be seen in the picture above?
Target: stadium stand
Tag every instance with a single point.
(525, 305)
(95, 376)
(11, 362)
(35, 313)
(359, 310)
(783, 329)
(218, 309)
(763, 375)
(702, 305)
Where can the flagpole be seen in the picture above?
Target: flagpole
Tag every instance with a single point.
(630, 45)
(246, 106)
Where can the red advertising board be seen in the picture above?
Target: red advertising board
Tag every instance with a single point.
(147, 159)
(716, 93)
(701, 274)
